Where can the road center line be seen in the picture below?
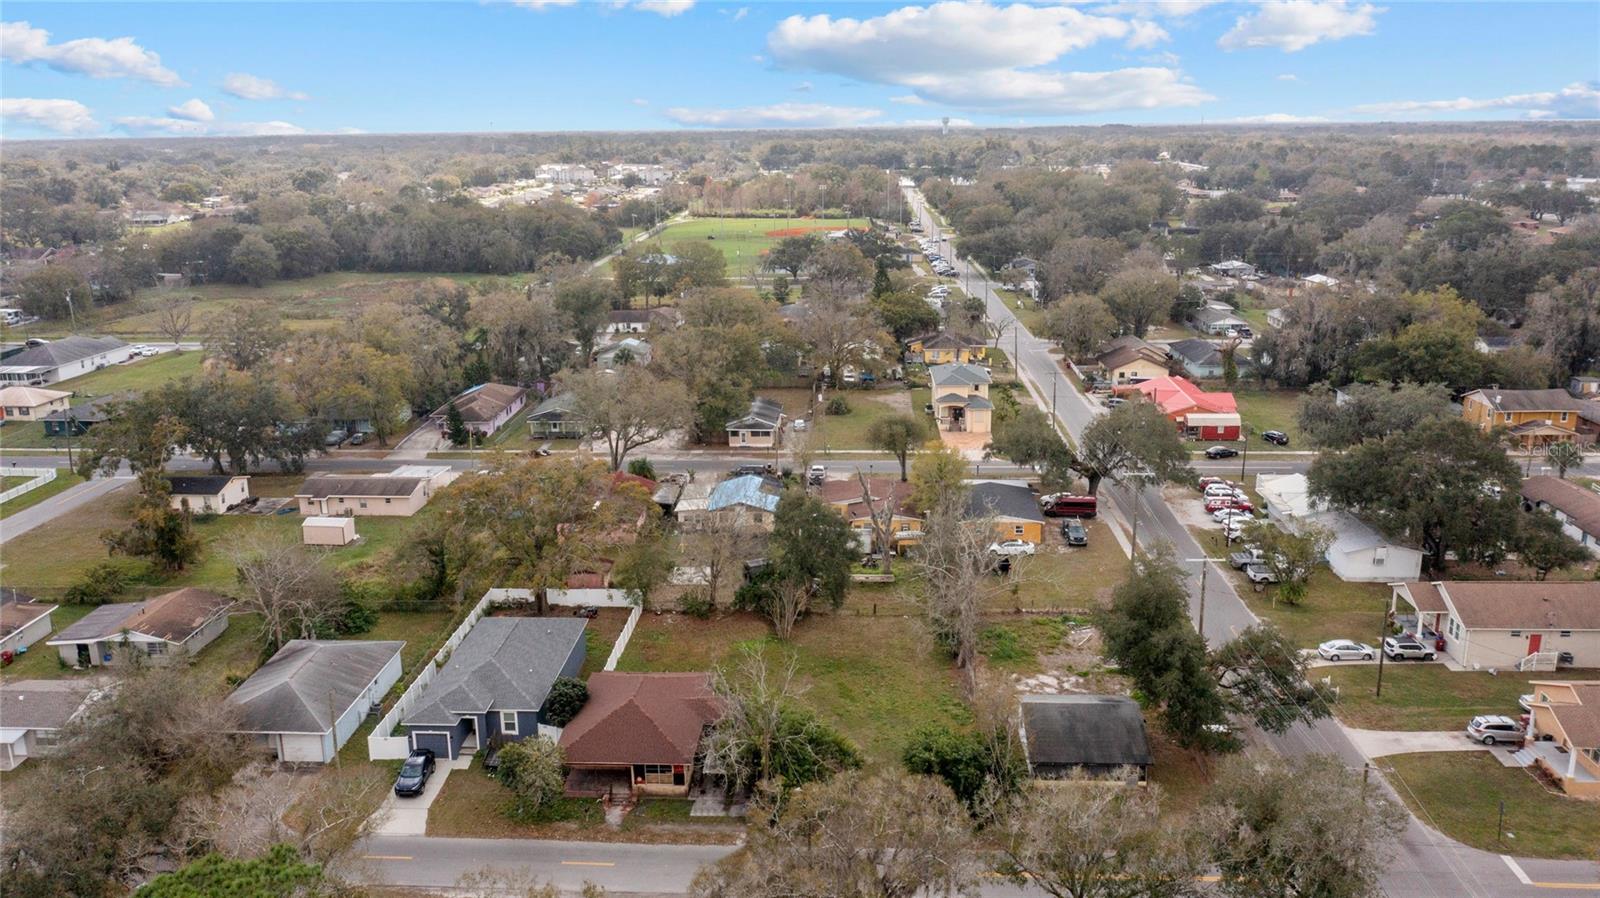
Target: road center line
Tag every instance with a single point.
(386, 857)
(587, 864)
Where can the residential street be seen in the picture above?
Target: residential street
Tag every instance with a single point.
(59, 504)
(1427, 863)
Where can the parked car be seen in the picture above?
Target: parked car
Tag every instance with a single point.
(1221, 452)
(1115, 402)
(1260, 574)
(799, 424)
(816, 475)
(1215, 481)
(1229, 515)
(357, 438)
(414, 773)
(1012, 547)
(1340, 649)
(1056, 505)
(743, 470)
(1073, 531)
(142, 350)
(1220, 503)
(1221, 489)
(1251, 555)
(1495, 729)
(1525, 702)
(335, 438)
(1276, 437)
(1406, 648)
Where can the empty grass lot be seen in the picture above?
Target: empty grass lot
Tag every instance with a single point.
(1264, 410)
(1460, 794)
(135, 376)
(876, 679)
(1430, 696)
(744, 241)
(1332, 609)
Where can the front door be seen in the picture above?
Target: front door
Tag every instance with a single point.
(1534, 642)
(83, 655)
(469, 739)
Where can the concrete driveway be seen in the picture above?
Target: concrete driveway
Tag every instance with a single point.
(409, 816)
(1377, 743)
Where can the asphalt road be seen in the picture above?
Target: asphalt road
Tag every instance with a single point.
(1427, 864)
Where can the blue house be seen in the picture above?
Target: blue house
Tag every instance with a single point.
(495, 684)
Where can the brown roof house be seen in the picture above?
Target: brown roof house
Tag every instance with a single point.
(1577, 508)
(23, 621)
(1564, 734)
(172, 625)
(1492, 624)
(639, 733)
(1129, 359)
(484, 408)
(32, 713)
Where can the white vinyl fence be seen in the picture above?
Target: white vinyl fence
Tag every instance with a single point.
(41, 476)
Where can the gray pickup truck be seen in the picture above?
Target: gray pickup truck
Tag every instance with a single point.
(1241, 560)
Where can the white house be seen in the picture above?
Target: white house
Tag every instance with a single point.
(1577, 508)
(62, 359)
(23, 621)
(1522, 625)
(312, 696)
(1357, 553)
(32, 713)
(208, 494)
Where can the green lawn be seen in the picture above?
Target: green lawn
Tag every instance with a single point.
(1332, 609)
(64, 481)
(136, 376)
(866, 407)
(876, 679)
(41, 662)
(1264, 410)
(1461, 794)
(1429, 696)
(744, 241)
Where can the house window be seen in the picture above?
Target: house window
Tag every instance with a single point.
(1508, 417)
(1516, 633)
(1564, 417)
(1016, 530)
(508, 722)
(660, 775)
(155, 648)
(362, 503)
(1565, 633)
(386, 501)
(905, 527)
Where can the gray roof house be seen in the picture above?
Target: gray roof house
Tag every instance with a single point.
(176, 624)
(1216, 320)
(33, 713)
(627, 351)
(1100, 735)
(1200, 358)
(310, 698)
(557, 418)
(493, 688)
(61, 359)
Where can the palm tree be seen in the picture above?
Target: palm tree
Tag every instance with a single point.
(1562, 456)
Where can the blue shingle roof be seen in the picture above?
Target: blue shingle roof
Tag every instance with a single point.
(751, 490)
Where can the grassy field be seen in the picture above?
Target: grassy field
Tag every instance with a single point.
(1429, 696)
(876, 679)
(64, 481)
(1332, 609)
(135, 376)
(1461, 793)
(307, 304)
(744, 241)
(1264, 410)
(866, 407)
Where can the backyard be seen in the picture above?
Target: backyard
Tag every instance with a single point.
(1461, 795)
(1430, 696)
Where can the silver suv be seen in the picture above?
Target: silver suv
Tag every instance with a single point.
(1403, 649)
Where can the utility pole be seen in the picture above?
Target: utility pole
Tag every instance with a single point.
(1244, 458)
(1138, 500)
(1205, 565)
(1383, 630)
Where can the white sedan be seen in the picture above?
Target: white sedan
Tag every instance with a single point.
(1340, 649)
(1232, 517)
(1012, 547)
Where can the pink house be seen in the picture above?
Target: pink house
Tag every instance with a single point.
(1198, 414)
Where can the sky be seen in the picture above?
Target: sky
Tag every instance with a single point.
(180, 69)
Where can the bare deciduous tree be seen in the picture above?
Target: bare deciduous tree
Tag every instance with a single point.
(293, 590)
(880, 514)
(174, 318)
(956, 568)
(720, 547)
(753, 695)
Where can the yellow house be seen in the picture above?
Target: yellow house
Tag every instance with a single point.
(1014, 506)
(1535, 418)
(1565, 734)
(961, 397)
(845, 497)
(944, 348)
(1129, 359)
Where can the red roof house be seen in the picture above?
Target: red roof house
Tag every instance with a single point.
(1200, 415)
(638, 732)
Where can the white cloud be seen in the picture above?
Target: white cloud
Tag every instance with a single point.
(1166, 9)
(1579, 100)
(1277, 118)
(194, 110)
(803, 87)
(977, 55)
(542, 5)
(252, 87)
(639, 101)
(60, 116)
(778, 115)
(96, 57)
(177, 127)
(932, 123)
(1293, 25)
(667, 8)
(909, 100)
(1288, 77)
(740, 13)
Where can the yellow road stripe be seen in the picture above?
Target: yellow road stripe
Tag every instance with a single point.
(587, 864)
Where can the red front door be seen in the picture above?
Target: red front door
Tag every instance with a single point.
(1534, 642)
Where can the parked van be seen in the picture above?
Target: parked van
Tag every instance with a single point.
(1063, 505)
(11, 316)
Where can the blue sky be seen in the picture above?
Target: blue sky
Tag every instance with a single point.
(135, 69)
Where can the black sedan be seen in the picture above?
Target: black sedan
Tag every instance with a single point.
(1276, 437)
(414, 773)
(1221, 452)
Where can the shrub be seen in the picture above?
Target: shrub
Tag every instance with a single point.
(533, 769)
(641, 467)
(98, 585)
(837, 406)
(567, 697)
(696, 603)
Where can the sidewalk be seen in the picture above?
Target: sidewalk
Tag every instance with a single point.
(57, 505)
